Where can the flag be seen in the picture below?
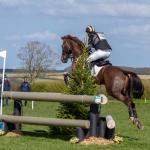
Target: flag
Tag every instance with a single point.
(3, 54)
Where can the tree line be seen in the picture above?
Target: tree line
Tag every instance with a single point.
(139, 71)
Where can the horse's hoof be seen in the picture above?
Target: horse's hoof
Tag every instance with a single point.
(140, 126)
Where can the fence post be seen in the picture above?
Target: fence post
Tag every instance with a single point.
(93, 119)
(17, 112)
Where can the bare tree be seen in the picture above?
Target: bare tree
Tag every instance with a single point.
(37, 58)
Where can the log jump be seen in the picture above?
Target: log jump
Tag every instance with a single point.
(53, 97)
(84, 128)
(85, 124)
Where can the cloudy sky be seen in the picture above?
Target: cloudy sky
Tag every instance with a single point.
(125, 23)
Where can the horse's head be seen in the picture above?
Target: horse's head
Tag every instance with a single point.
(71, 48)
(66, 50)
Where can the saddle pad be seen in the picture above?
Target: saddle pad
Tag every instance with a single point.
(95, 70)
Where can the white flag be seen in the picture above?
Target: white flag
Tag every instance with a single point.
(3, 54)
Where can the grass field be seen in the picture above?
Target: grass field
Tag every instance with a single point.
(37, 137)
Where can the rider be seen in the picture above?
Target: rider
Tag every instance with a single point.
(98, 41)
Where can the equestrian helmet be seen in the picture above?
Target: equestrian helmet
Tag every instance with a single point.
(90, 29)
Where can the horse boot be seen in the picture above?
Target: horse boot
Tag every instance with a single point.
(130, 111)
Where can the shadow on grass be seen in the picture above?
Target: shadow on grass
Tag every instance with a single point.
(43, 133)
(130, 138)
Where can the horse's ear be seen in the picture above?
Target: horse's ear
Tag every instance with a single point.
(63, 37)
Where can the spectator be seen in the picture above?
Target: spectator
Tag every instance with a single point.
(7, 87)
(25, 87)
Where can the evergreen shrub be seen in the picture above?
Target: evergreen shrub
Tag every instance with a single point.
(81, 83)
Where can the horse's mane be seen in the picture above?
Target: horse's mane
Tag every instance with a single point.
(73, 38)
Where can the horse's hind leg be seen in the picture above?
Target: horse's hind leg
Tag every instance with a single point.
(133, 114)
(131, 110)
(136, 120)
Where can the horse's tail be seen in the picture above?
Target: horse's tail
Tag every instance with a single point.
(137, 88)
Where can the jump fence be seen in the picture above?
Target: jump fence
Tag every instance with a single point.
(97, 126)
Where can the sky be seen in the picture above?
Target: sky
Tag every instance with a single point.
(125, 23)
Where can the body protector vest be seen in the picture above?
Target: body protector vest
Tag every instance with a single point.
(98, 41)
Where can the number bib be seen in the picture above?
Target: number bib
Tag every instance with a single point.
(101, 36)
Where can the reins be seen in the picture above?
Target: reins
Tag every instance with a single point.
(70, 49)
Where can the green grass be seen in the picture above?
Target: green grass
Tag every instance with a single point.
(37, 137)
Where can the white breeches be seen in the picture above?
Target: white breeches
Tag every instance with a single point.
(98, 54)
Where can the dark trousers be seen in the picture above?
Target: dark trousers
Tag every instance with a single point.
(6, 101)
(25, 102)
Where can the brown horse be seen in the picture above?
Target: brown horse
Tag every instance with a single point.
(119, 83)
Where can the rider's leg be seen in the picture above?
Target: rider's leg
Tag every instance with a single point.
(98, 54)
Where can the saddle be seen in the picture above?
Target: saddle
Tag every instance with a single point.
(100, 63)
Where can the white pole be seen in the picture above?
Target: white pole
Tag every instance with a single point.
(2, 85)
(100, 104)
(32, 104)
(145, 99)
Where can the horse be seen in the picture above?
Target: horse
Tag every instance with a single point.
(121, 84)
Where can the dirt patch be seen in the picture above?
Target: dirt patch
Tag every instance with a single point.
(48, 76)
(144, 76)
(95, 140)
(56, 77)
(14, 133)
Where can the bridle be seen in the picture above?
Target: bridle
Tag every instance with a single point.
(67, 46)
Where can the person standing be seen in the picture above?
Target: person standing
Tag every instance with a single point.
(7, 87)
(25, 87)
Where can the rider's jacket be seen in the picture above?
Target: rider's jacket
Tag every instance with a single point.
(98, 41)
